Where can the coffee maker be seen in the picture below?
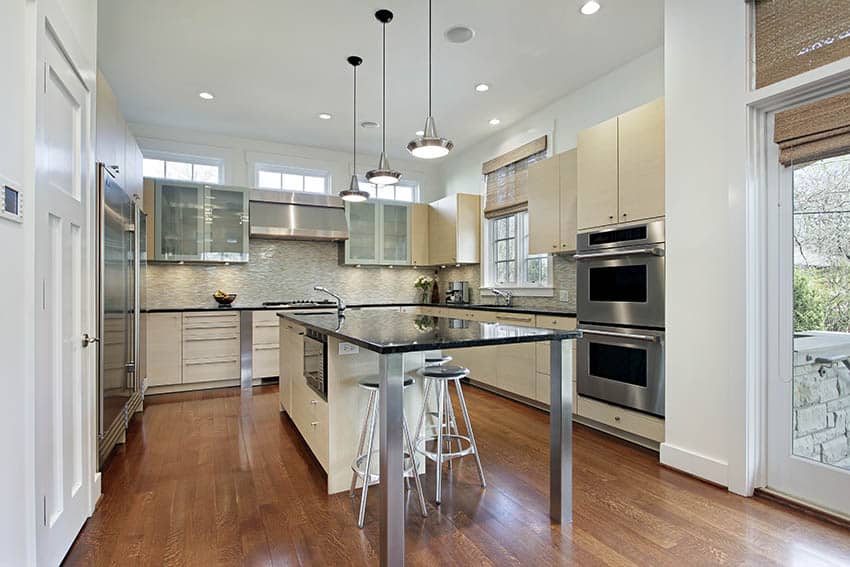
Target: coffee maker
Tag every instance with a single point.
(457, 293)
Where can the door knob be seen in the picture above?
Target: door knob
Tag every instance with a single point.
(88, 339)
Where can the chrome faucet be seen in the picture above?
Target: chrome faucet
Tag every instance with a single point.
(504, 294)
(340, 304)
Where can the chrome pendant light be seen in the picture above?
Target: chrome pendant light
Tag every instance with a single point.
(353, 194)
(384, 174)
(429, 145)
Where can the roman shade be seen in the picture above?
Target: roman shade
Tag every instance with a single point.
(507, 177)
(813, 131)
(794, 36)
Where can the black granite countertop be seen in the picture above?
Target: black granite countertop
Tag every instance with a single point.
(473, 307)
(389, 332)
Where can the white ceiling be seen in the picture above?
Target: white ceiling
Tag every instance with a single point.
(273, 65)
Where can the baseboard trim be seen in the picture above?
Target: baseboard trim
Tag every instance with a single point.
(700, 466)
(803, 506)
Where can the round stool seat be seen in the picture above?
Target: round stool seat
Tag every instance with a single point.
(444, 372)
(373, 382)
(437, 360)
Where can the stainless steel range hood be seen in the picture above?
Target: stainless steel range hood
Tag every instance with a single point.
(289, 215)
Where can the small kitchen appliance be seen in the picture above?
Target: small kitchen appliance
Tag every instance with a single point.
(457, 293)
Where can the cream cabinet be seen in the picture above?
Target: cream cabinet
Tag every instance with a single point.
(454, 227)
(290, 362)
(164, 341)
(419, 244)
(552, 194)
(115, 145)
(265, 344)
(620, 168)
(211, 347)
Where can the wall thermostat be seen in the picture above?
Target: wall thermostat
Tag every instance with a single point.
(11, 207)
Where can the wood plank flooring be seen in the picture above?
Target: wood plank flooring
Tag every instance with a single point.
(222, 478)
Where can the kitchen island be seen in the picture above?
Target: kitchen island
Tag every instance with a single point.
(393, 336)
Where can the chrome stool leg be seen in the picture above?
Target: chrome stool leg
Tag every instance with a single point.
(367, 470)
(416, 479)
(441, 396)
(469, 432)
(363, 430)
(423, 413)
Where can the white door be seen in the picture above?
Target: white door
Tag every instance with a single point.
(65, 370)
(808, 440)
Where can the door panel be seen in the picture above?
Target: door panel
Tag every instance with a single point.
(597, 175)
(641, 162)
(65, 380)
(544, 206)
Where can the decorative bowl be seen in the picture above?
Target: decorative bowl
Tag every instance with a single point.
(225, 300)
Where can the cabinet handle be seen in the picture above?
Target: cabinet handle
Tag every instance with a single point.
(313, 402)
(611, 216)
(521, 319)
(625, 215)
(314, 423)
(616, 418)
(196, 339)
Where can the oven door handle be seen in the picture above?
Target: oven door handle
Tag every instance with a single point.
(655, 251)
(648, 338)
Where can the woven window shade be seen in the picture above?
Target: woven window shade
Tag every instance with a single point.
(814, 131)
(507, 178)
(794, 36)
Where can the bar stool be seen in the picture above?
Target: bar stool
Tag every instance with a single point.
(361, 466)
(430, 362)
(441, 376)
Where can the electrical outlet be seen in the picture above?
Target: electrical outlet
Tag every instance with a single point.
(348, 348)
(564, 296)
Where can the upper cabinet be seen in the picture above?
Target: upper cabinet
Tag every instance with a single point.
(620, 168)
(115, 145)
(379, 233)
(196, 222)
(419, 246)
(454, 229)
(552, 191)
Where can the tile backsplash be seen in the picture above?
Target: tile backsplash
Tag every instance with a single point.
(286, 270)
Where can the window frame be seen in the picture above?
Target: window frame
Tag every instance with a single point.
(521, 286)
(292, 170)
(185, 158)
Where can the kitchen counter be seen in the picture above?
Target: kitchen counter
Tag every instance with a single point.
(389, 332)
(468, 306)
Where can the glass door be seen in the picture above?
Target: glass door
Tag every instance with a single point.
(362, 244)
(395, 228)
(179, 221)
(226, 224)
(809, 384)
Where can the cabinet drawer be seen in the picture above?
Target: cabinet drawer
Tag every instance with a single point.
(480, 316)
(202, 320)
(518, 319)
(411, 309)
(226, 368)
(633, 422)
(266, 335)
(559, 323)
(265, 318)
(266, 360)
(202, 348)
(543, 390)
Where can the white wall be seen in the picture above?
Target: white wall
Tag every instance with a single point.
(627, 87)
(705, 78)
(239, 155)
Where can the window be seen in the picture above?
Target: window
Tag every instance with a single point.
(508, 262)
(185, 169)
(283, 178)
(405, 191)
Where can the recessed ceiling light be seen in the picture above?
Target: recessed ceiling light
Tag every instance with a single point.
(459, 34)
(482, 87)
(590, 7)
(420, 132)
(370, 124)
(325, 116)
(495, 122)
(206, 96)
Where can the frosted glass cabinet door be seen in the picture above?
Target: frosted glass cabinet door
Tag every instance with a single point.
(179, 221)
(395, 237)
(362, 243)
(226, 230)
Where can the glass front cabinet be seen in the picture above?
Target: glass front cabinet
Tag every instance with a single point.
(379, 234)
(195, 222)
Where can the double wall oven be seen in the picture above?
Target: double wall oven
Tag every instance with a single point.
(620, 304)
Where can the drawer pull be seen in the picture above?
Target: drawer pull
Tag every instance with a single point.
(197, 339)
(201, 362)
(313, 402)
(314, 423)
(267, 347)
(520, 319)
(616, 418)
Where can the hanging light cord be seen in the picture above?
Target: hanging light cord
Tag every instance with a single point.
(384, 88)
(429, 58)
(354, 125)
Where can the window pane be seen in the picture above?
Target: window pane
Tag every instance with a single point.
(537, 272)
(403, 193)
(386, 192)
(205, 173)
(178, 170)
(501, 271)
(500, 228)
(153, 167)
(511, 221)
(368, 187)
(268, 179)
(293, 182)
(314, 184)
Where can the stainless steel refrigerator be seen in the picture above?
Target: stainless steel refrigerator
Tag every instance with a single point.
(119, 308)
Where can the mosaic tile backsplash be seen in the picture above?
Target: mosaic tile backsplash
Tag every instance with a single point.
(287, 270)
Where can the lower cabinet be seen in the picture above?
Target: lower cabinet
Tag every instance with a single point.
(290, 363)
(163, 351)
(265, 345)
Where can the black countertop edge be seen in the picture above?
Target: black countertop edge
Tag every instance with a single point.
(471, 307)
(548, 335)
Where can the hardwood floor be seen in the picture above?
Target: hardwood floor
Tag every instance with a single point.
(222, 478)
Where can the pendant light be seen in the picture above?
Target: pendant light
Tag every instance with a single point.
(353, 194)
(384, 174)
(429, 145)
